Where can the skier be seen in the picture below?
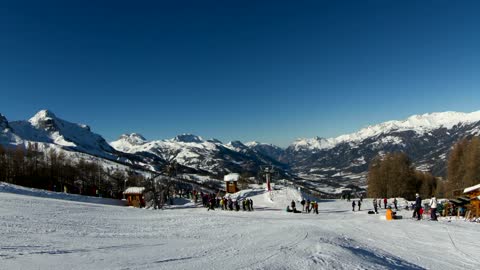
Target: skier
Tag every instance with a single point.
(353, 206)
(303, 204)
(315, 208)
(211, 204)
(307, 208)
(375, 206)
(293, 205)
(433, 208)
(385, 203)
(237, 206)
(359, 204)
(230, 204)
(395, 203)
(251, 204)
(418, 207)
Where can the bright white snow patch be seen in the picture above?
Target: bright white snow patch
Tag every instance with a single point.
(231, 177)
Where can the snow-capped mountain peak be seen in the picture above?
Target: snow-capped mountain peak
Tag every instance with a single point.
(188, 138)
(252, 143)
(313, 143)
(134, 138)
(3, 122)
(420, 124)
(237, 146)
(126, 142)
(44, 119)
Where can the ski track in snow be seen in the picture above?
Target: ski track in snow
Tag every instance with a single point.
(44, 233)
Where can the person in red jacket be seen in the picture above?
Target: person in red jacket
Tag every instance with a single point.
(385, 202)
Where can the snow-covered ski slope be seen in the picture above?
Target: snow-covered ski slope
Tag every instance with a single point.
(44, 233)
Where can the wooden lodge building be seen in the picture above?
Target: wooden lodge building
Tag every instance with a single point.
(134, 196)
(473, 194)
(231, 181)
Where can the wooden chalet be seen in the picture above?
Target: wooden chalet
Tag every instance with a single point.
(473, 194)
(134, 196)
(231, 182)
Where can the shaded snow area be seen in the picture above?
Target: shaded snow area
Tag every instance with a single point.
(45, 233)
(9, 188)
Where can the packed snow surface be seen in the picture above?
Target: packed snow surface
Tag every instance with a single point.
(46, 233)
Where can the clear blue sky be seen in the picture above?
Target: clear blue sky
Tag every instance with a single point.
(270, 71)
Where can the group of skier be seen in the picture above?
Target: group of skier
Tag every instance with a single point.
(230, 204)
(389, 206)
(418, 210)
(307, 207)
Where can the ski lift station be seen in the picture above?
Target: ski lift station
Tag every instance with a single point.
(231, 180)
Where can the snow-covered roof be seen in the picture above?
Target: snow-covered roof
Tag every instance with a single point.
(134, 190)
(470, 189)
(231, 177)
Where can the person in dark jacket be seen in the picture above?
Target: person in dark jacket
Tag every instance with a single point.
(303, 204)
(293, 205)
(359, 204)
(418, 206)
(375, 206)
(353, 206)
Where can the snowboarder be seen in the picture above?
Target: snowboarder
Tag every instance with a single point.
(307, 208)
(418, 206)
(433, 208)
(353, 206)
(385, 203)
(375, 207)
(293, 205)
(359, 204)
(251, 204)
(395, 203)
(303, 204)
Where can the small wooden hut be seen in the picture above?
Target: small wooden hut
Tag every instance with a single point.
(231, 182)
(474, 194)
(134, 196)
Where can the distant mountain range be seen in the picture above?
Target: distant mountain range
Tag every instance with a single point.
(327, 165)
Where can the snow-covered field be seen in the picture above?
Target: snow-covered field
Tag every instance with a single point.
(48, 232)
